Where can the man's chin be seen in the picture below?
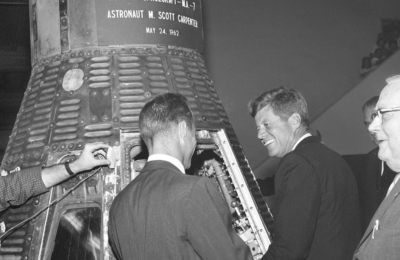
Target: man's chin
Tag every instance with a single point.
(272, 153)
(381, 155)
(275, 153)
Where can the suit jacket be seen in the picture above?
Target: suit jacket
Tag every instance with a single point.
(164, 214)
(381, 240)
(373, 186)
(316, 209)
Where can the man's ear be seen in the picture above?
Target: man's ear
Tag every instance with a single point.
(182, 129)
(295, 120)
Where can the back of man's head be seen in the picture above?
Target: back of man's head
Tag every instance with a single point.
(161, 114)
(371, 103)
(284, 103)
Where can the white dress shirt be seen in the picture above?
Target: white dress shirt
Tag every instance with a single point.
(167, 158)
(301, 139)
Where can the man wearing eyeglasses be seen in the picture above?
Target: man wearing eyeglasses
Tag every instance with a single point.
(376, 175)
(381, 240)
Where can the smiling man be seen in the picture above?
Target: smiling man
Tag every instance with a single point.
(316, 209)
(381, 239)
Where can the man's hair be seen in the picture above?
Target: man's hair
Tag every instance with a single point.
(393, 79)
(284, 103)
(161, 113)
(371, 102)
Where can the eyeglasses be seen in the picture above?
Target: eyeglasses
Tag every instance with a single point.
(381, 111)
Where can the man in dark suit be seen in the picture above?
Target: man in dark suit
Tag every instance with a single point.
(316, 209)
(382, 238)
(375, 176)
(163, 213)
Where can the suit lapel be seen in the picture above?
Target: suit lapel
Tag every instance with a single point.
(385, 205)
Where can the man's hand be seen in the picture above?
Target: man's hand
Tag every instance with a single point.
(87, 160)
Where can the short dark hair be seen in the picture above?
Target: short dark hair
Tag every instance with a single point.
(371, 102)
(284, 103)
(161, 112)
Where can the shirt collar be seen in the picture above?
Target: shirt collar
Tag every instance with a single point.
(167, 158)
(301, 139)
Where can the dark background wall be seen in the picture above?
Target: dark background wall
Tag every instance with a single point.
(344, 134)
(312, 46)
(14, 63)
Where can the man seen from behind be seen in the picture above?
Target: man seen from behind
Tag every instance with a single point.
(163, 213)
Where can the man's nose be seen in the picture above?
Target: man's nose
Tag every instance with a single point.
(261, 133)
(372, 134)
(375, 125)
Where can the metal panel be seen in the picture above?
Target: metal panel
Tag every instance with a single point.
(48, 27)
(82, 19)
(171, 22)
